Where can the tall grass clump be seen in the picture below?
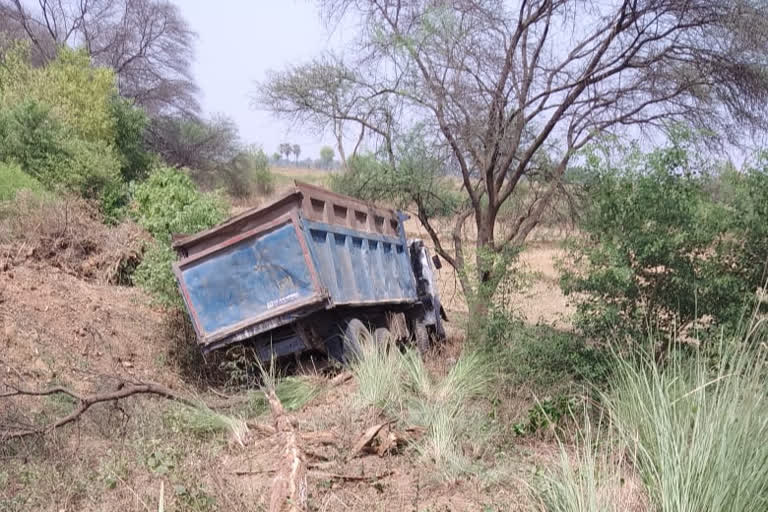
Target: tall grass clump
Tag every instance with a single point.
(698, 430)
(400, 385)
(578, 482)
(293, 393)
(203, 421)
(378, 369)
(443, 406)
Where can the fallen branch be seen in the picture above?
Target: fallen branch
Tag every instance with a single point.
(354, 478)
(85, 402)
(260, 427)
(253, 472)
(341, 378)
(321, 474)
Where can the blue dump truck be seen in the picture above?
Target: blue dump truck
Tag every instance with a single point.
(312, 271)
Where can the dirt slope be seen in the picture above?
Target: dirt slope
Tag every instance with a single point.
(56, 327)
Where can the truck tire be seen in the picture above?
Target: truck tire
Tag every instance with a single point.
(421, 337)
(382, 336)
(355, 334)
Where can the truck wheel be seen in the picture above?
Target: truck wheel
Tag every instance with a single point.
(355, 334)
(382, 336)
(421, 337)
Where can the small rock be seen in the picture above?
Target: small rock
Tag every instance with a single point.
(127, 364)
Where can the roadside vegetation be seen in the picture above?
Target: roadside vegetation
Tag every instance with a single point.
(650, 397)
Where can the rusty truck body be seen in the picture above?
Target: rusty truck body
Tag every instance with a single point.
(310, 271)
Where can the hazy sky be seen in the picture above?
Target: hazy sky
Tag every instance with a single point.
(239, 41)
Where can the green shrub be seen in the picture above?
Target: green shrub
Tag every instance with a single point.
(44, 149)
(155, 275)
(418, 178)
(247, 173)
(661, 250)
(77, 94)
(168, 202)
(64, 125)
(541, 360)
(13, 179)
(264, 180)
(130, 129)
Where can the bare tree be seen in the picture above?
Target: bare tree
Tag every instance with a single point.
(146, 42)
(513, 90)
(208, 148)
(326, 95)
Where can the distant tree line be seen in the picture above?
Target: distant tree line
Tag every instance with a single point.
(285, 150)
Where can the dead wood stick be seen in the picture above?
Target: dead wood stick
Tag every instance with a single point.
(253, 472)
(85, 402)
(341, 378)
(366, 439)
(267, 430)
(353, 478)
(289, 488)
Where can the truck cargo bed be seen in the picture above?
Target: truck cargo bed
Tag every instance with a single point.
(309, 250)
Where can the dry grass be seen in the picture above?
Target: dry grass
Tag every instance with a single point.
(591, 475)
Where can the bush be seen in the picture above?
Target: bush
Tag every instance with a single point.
(56, 121)
(264, 180)
(130, 129)
(12, 179)
(42, 148)
(539, 359)
(418, 178)
(661, 249)
(78, 94)
(247, 173)
(155, 275)
(168, 202)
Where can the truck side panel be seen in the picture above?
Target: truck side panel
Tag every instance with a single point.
(360, 268)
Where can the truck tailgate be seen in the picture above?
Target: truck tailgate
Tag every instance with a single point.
(248, 279)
